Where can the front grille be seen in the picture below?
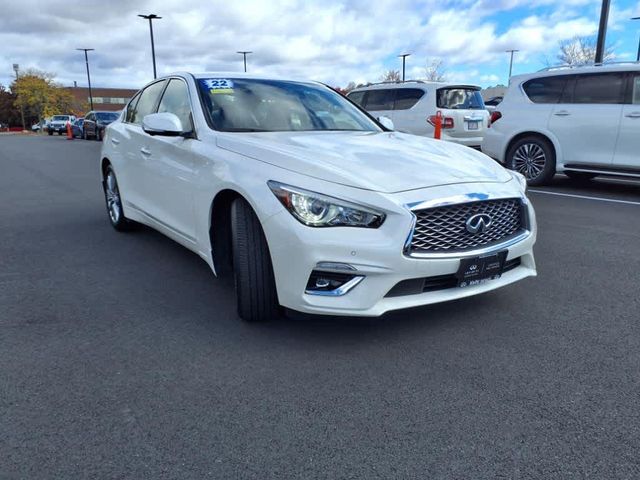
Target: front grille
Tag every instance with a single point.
(444, 230)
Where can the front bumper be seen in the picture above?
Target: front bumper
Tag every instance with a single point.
(377, 254)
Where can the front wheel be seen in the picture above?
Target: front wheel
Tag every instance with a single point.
(255, 284)
(114, 201)
(534, 158)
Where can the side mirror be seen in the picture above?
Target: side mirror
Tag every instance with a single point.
(166, 124)
(386, 122)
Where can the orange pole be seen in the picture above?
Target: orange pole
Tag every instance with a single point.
(437, 132)
(69, 131)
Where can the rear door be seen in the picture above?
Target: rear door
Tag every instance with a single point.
(465, 106)
(407, 116)
(587, 121)
(627, 154)
(379, 102)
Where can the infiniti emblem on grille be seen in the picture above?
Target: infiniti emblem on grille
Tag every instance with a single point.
(478, 223)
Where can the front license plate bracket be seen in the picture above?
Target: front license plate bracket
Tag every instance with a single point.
(477, 270)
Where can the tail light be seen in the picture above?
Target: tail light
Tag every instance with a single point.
(495, 116)
(447, 122)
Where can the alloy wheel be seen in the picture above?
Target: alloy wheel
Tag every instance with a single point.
(112, 195)
(529, 160)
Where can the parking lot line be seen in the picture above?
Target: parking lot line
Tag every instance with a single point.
(586, 197)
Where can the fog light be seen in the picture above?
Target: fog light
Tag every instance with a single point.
(331, 283)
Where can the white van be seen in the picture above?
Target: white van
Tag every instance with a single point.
(412, 107)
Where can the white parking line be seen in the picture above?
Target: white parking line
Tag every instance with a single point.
(600, 199)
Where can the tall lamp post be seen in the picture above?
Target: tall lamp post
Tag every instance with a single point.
(86, 61)
(16, 68)
(511, 61)
(637, 56)
(152, 17)
(244, 54)
(404, 57)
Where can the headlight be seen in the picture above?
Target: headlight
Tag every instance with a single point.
(521, 179)
(317, 210)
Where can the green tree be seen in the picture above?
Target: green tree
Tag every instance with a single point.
(9, 114)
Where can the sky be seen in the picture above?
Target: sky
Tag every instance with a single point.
(329, 40)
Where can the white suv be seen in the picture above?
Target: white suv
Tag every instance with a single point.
(582, 121)
(412, 107)
(310, 203)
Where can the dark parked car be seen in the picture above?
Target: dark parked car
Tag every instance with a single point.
(76, 128)
(96, 122)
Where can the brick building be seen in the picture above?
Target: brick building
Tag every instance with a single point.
(110, 99)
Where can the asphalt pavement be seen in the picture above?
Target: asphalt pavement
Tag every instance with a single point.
(121, 355)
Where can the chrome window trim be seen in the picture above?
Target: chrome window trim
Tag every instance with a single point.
(337, 292)
(461, 199)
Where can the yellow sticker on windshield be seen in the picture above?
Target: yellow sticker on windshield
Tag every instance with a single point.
(219, 86)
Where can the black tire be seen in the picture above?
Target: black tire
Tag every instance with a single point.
(534, 157)
(50, 132)
(581, 176)
(114, 202)
(84, 134)
(255, 284)
(98, 135)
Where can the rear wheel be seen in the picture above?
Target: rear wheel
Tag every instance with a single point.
(98, 135)
(114, 201)
(580, 176)
(534, 158)
(84, 134)
(50, 132)
(255, 284)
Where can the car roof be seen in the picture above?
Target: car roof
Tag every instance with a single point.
(578, 70)
(243, 75)
(411, 84)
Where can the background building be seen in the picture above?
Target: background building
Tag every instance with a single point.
(110, 99)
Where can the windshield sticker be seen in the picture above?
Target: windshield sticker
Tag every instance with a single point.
(219, 85)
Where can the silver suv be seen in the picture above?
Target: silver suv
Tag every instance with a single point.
(412, 107)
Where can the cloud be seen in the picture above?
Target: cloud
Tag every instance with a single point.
(334, 41)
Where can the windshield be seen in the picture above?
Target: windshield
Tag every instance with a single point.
(60, 118)
(107, 116)
(249, 105)
(459, 98)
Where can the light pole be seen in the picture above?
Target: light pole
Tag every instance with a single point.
(602, 32)
(86, 61)
(404, 57)
(511, 61)
(151, 17)
(16, 68)
(244, 57)
(637, 56)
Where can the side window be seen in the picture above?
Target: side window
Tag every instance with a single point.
(131, 108)
(635, 96)
(407, 98)
(356, 97)
(176, 100)
(148, 101)
(607, 88)
(380, 99)
(545, 89)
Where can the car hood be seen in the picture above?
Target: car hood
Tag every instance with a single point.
(381, 161)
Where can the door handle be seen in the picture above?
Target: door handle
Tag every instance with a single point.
(115, 141)
(145, 151)
(633, 115)
(562, 113)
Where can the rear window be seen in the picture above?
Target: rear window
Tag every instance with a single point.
(602, 88)
(636, 91)
(407, 98)
(457, 98)
(545, 90)
(380, 99)
(59, 118)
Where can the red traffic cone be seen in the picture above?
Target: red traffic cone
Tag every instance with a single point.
(69, 131)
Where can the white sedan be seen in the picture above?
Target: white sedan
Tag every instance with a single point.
(308, 201)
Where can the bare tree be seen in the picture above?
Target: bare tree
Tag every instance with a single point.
(391, 76)
(350, 86)
(581, 51)
(435, 71)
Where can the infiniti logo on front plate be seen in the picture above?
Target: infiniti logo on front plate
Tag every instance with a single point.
(478, 223)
